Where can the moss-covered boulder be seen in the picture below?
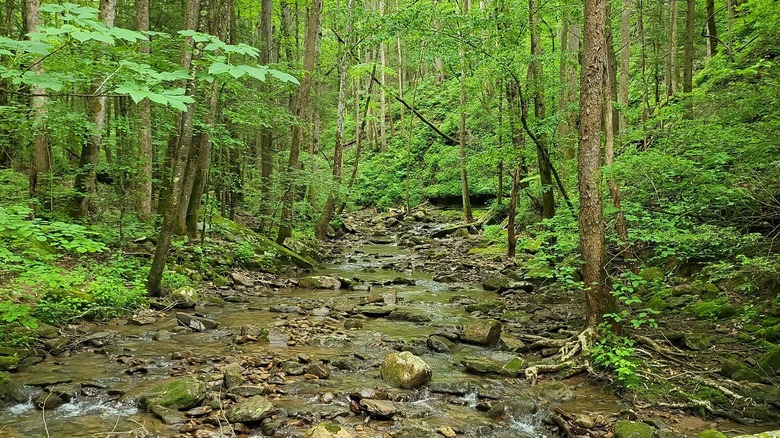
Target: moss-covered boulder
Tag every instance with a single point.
(711, 434)
(770, 362)
(518, 408)
(482, 333)
(251, 410)
(652, 273)
(327, 430)
(185, 297)
(486, 306)
(405, 370)
(261, 245)
(178, 393)
(8, 362)
(769, 434)
(319, 282)
(480, 365)
(632, 429)
(772, 334)
(730, 366)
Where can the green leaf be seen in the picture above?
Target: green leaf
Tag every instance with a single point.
(282, 76)
(126, 34)
(218, 68)
(256, 72)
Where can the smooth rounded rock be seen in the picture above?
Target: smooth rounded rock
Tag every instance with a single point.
(405, 370)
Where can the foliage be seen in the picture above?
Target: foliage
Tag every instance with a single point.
(617, 354)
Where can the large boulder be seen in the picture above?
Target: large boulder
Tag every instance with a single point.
(319, 282)
(769, 434)
(482, 333)
(253, 409)
(186, 297)
(178, 393)
(327, 430)
(405, 370)
(632, 429)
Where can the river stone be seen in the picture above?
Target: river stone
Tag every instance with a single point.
(409, 315)
(285, 308)
(480, 365)
(327, 430)
(177, 393)
(518, 408)
(379, 409)
(668, 433)
(498, 284)
(167, 415)
(241, 279)
(293, 368)
(8, 363)
(353, 323)
(711, 434)
(405, 370)
(319, 282)
(47, 401)
(256, 408)
(65, 391)
(482, 333)
(556, 392)
(248, 390)
(770, 362)
(513, 367)
(769, 434)
(632, 429)
(46, 331)
(730, 366)
(376, 311)
(233, 375)
(509, 343)
(441, 344)
(196, 323)
(186, 297)
(459, 388)
(320, 370)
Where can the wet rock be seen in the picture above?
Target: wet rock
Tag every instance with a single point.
(8, 363)
(56, 346)
(253, 409)
(498, 284)
(285, 308)
(249, 390)
(321, 311)
(233, 375)
(518, 408)
(177, 393)
(480, 365)
(513, 367)
(416, 431)
(711, 434)
(509, 343)
(199, 411)
(409, 315)
(454, 388)
(769, 434)
(65, 391)
(353, 323)
(482, 333)
(241, 279)
(327, 430)
(584, 421)
(167, 415)
(319, 282)
(162, 335)
(376, 311)
(556, 392)
(320, 370)
(405, 370)
(142, 320)
(486, 307)
(403, 281)
(47, 401)
(196, 323)
(632, 429)
(441, 344)
(448, 278)
(771, 360)
(379, 409)
(292, 368)
(186, 297)
(46, 331)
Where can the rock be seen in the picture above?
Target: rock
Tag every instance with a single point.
(409, 315)
(379, 409)
(556, 392)
(769, 434)
(320, 370)
(668, 433)
(447, 431)
(46, 331)
(162, 335)
(56, 346)
(10, 391)
(632, 429)
(177, 393)
(441, 344)
(186, 298)
(376, 311)
(196, 323)
(292, 368)
(730, 366)
(770, 362)
(513, 367)
(405, 370)
(65, 391)
(248, 390)
(167, 415)
(285, 308)
(584, 421)
(712, 434)
(508, 343)
(241, 279)
(8, 363)
(319, 282)
(459, 388)
(199, 411)
(233, 375)
(480, 365)
(750, 375)
(253, 409)
(518, 408)
(482, 333)
(697, 341)
(353, 323)
(652, 273)
(486, 307)
(497, 284)
(47, 401)
(327, 430)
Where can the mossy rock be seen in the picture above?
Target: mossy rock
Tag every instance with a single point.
(8, 362)
(770, 322)
(178, 393)
(712, 434)
(632, 429)
(236, 232)
(749, 375)
(770, 362)
(770, 434)
(710, 309)
(730, 366)
(486, 307)
(772, 334)
(327, 430)
(652, 273)
(658, 303)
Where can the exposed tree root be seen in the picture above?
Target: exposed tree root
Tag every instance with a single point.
(570, 350)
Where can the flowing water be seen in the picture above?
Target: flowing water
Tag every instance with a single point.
(133, 362)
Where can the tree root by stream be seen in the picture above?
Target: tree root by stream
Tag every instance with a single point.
(569, 350)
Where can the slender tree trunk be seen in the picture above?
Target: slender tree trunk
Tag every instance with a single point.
(511, 236)
(382, 94)
(612, 66)
(145, 146)
(671, 68)
(690, 18)
(712, 30)
(312, 30)
(625, 63)
(591, 218)
(40, 170)
(540, 111)
(181, 143)
(609, 158)
(568, 75)
(266, 135)
(468, 215)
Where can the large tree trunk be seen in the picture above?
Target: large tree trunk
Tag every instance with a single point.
(540, 111)
(712, 30)
(145, 146)
(84, 184)
(301, 106)
(591, 218)
(625, 63)
(621, 226)
(180, 143)
(40, 170)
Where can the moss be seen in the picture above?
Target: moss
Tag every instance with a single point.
(632, 429)
(486, 307)
(770, 362)
(657, 303)
(772, 334)
(712, 434)
(653, 273)
(179, 393)
(8, 362)
(489, 250)
(713, 309)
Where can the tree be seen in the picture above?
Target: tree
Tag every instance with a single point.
(536, 71)
(145, 147)
(591, 217)
(41, 162)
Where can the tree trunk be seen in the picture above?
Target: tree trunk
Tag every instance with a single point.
(568, 75)
(181, 144)
(511, 236)
(540, 111)
(591, 221)
(625, 63)
(266, 136)
(612, 66)
(609, 158)
(671, 67)
(145, 146)
(40, 170)
(382, 94)
(301, 106)
(712, 30)
(690, 19)
(468, 215)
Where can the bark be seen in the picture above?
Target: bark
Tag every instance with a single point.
(611, 71)
(301, 106)
(266, 136)
(511, 236)
(468, 215)
(41, 166)
(181, 145)
(625, 63)
(671, 67)
(597, 296)
(359, 128)
(712, 30)
(84, 184)
(145, 146)
(540, 111)
(382, 94)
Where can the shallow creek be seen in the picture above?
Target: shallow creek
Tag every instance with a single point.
(111, 405)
